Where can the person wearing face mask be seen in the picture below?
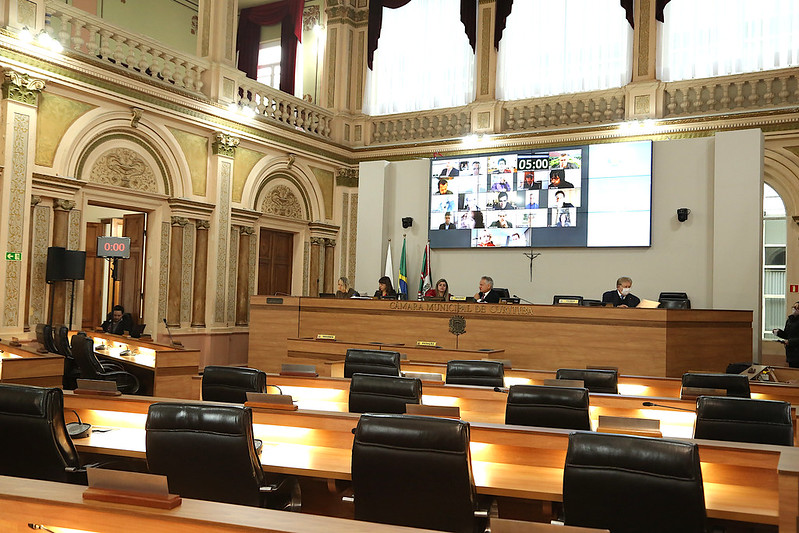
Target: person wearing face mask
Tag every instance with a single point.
(789, 336)
(621, 297)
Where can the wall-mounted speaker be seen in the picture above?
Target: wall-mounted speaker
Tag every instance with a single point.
(65, 264)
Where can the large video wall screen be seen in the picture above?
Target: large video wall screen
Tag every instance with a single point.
(595, 195)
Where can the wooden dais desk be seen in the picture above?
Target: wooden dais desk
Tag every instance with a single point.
(21, 365)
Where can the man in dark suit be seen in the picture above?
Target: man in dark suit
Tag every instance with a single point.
(486, 293)
(621, 297)
(118, 321)
(447, 224)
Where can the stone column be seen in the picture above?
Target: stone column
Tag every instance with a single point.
(330, 258)
(644, 94)
(20, 99)
(200, 274)
(61, 211)
(243, 277)
(217, 24)
(313, 276)
(220, 185)
(347, 183)
(175, 271)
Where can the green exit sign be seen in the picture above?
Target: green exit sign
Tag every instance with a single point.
(13, 256)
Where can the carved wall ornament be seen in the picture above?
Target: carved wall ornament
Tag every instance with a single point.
(203, 225)
(225, 144)
(180, 221)
(281, 201)
(136, 113)
(347, 177)
(330, 242)
(123, 167)
(292, 158)
(317, 241)
(63, 205)
(247, 230)
(21, 87)
(35, 200)
(310, 17)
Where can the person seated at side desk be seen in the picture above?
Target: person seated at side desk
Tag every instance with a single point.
(486, 294)
(343, 289)
(117, 321)
(441, 290)
(385, 289)
(621, 297)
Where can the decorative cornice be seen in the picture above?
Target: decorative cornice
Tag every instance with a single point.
(55, 186)
(21, 87)
(243, 217)
(338, 13)
(190, 208)
(225, 144)
(323, 230)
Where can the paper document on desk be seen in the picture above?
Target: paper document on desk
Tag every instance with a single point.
(648, 304)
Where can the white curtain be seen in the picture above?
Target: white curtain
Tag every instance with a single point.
(721, 37)
(423, 60)
(563, 46)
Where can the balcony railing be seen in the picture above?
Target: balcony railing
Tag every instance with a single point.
(272, 104)
(84, 34)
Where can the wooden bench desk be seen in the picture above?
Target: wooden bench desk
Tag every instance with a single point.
(743, 482)
(24, 366)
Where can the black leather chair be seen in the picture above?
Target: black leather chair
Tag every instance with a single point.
(231, 384)
(414, 471)
(207, 452)
(595, 380)
(90, 367)
(552, 407)
(481, 373)
(743, 420)
(563, 299)
(34, 442)
(44, 336)
(371, 362)
(633, 484)
(674, 300)
(61, 339)
(735, 385)
(372, 393)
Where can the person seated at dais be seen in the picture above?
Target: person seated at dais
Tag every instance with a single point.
(117, 321)
(385, 289)
(621, 297)
(486, 294)
(344, 290)
(441, 290)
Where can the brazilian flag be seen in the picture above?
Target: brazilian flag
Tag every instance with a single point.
(403, 274)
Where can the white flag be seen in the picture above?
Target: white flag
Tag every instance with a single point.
(389, 264)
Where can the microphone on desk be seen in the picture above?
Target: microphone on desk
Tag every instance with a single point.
(501, 389)
(281, 294)
(522, 299)
(174, 343)
(650, 404)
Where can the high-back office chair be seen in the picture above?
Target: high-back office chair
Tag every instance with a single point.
(481, 373)
(231, 384)
(595, 380)
(632, 484)
(736, 385)
(207, 452)
(552, 407)
(61, 340)
(503, 293)
(674, 300)
(372, 393)
(34, 442)
(90, 367)
(414, 471)
(562, 299)
(743, 420)
(371, 362)
(44, 336)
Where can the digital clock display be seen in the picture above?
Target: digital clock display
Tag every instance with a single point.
(113, 247)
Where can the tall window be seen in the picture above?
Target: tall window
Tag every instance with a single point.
(563, 46)
(774, 238)
(722, 37)
(423, 60)
(269, 64)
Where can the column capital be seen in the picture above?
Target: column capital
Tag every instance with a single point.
(35, 200)
(21, 87)
(330, 242)
(317, 241)
(347, 177)
(247, 230)
(59, 204)
(179, 221)
(225, 144)
(202, 225)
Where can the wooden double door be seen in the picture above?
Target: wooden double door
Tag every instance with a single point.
(275, 262)
(129, 289)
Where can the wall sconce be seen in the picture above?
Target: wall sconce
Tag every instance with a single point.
(682, 214)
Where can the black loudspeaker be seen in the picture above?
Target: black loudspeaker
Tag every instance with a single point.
(55, 261)
(65, 264)
(74, 264)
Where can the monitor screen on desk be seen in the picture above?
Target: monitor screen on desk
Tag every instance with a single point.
(579, 196)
